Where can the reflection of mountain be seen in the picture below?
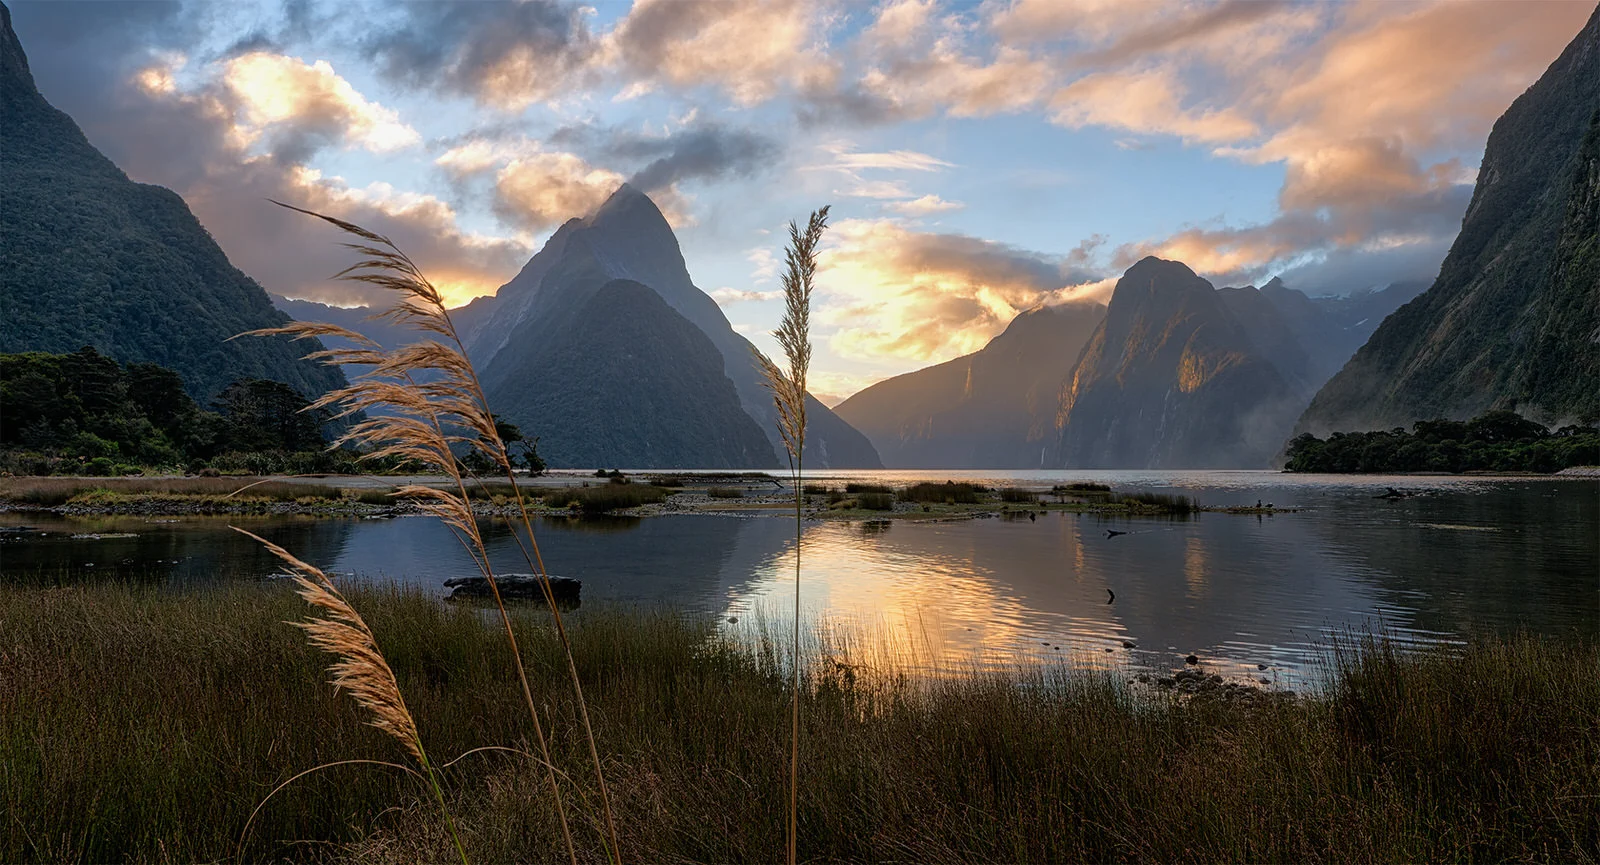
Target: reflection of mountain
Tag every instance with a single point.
(1227, 587)
(1535, 569)
(192, 551)
(686, 562)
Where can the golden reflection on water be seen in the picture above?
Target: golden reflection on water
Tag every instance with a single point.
(1194, 567)
(939, 596)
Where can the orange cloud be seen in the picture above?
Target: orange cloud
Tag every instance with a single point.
(889, 292)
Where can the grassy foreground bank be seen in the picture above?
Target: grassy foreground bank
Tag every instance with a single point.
(145, 725)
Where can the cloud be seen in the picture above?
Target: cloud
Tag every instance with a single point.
(508, 55)
(301, 107)
(541, 190)
(748, 50)
(897, 160)
(925, 206)
(876, 189)
(706, 152)
(1148, 101)
(228, 135)
(726, 296)
(890, 292)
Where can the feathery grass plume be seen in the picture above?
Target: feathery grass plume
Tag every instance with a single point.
(789, 395)
(360, 667)
(433, 404)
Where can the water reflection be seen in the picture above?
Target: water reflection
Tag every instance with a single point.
(1240, 591)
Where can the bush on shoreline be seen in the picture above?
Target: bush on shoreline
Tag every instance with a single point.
(129, 733)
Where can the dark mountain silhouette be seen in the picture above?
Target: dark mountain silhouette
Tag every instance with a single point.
(1513, 320)
(629, 239)
(621, 379)
(1172, 379)
(992, 409)
(90, 258)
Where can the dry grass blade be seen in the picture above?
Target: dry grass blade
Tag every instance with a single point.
(432, 402)
(360, 668)
(789, 396)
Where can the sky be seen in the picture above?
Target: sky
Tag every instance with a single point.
(980, 158)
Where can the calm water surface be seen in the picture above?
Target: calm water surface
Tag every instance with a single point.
(1465, 555)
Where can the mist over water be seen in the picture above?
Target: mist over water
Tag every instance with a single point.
(1464, 555)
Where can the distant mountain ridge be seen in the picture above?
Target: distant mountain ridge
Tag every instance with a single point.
(991, 409)
(1174, 374)
(1513, 319)
(88, 257)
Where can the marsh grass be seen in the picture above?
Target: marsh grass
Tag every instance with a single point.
(948, 492)
(854, 488)
(725, 493)
(606, 497)
(1165, 502)
(1018, 494)
(55, 491)
(144, 725)
(875, 501)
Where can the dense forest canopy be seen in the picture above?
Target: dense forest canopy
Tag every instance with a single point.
(1496, 441)
(85, 413)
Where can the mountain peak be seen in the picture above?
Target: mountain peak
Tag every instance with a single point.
(631, 207)
(14, 71)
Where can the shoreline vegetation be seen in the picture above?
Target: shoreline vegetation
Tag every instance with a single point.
(129, 737)
(607, 493)
(1497, 441)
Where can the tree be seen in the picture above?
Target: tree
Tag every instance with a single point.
(263, 415)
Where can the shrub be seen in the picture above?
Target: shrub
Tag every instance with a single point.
(948, 492)
(876, 501)
(599, 500)
(1172, 504)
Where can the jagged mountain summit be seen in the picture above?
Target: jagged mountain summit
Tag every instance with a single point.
(604, 349)
(627, 239)
(1172, 379)
(992, 409)
(1513, 319)
(88, 257)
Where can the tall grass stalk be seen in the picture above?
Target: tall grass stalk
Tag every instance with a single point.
(361, 668)
(789, 395)
(432, 402)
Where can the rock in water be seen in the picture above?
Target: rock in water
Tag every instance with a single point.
(515, 587)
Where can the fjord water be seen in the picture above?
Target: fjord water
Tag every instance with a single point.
(1463, 555)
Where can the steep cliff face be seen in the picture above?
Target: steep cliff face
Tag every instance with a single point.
(88, 257)
(1172, 379)
(992, 409)
(629, 239)
(1513, 320)
(621, 379)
